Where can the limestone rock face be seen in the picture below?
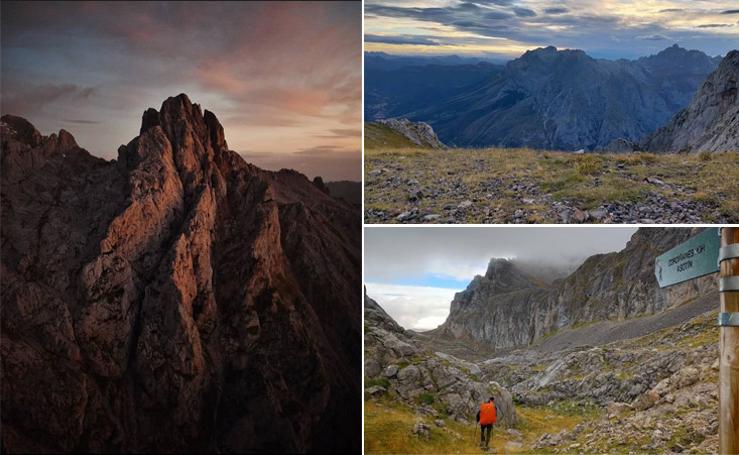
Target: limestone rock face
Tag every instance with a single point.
(711, 122)
(455, 387)
(175, 299)
(419, 133)
(507, 308)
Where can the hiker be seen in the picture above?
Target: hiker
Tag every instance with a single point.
(487, 415)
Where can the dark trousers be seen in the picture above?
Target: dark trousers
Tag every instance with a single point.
(485, 432)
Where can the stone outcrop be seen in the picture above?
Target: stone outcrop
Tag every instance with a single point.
(419, 133)
(507, 308)
(435, 383)
(711, 122)
(175, 299)
(659, 393)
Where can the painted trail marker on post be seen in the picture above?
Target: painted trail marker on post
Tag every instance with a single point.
(714, 250)
(693, 258)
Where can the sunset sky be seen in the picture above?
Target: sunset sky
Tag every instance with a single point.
(283, 79)
(507, 28)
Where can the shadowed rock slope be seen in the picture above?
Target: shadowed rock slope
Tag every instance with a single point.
(175, 299)
(507, 308)
(566, 100)
(711, 122)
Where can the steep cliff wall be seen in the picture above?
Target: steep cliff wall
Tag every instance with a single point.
(508, 308)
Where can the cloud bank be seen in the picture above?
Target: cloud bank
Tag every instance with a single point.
(605, 29)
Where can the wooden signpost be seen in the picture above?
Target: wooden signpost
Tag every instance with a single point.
(708, 252)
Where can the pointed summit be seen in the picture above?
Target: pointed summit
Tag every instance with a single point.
(178, 115)
(65, 140)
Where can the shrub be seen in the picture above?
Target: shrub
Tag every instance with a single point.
(588, 164)
(426, 398)
(382, 382)
(705, 156)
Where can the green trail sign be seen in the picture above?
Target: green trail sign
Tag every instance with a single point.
(695, 257)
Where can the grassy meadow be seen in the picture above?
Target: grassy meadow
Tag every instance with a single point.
(540, 184)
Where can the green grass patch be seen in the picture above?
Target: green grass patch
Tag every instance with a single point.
(377, 135)
(388, 425)
(382, 382)
(426, 398)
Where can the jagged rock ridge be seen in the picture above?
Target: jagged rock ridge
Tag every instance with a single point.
(175, 299)
(711, 122)
(507, 308)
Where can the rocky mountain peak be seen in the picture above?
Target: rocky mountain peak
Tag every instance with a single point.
(540, 52)
(66, 140)
(673, 50)
(21, 130)
(546, 56)
(177, 280)
(508, 308)
(506, 276)
(178, 115)
(498, 266)
(679, 63)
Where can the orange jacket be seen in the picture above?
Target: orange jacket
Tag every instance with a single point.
(487, 414)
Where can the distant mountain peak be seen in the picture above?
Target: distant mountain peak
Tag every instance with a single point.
(497, 266)
(505, 276)
(539, 52)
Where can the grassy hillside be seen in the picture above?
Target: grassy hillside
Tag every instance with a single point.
(388, 425)
(377, 136)
(526, 186)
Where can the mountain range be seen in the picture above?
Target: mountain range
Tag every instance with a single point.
(510, 307)
(175, 299)
(547, 98)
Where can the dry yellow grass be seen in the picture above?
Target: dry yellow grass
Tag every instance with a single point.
(586, 181)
